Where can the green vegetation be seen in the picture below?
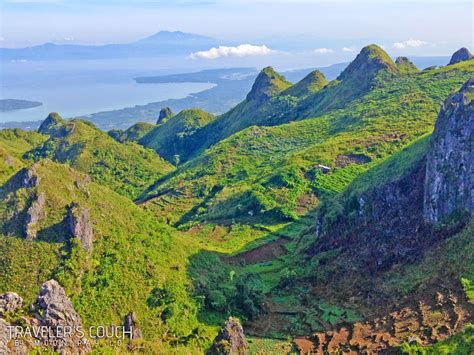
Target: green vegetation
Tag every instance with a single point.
(126, 168)
(226, 226)
(176, 136)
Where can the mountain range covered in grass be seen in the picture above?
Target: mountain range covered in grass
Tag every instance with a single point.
(324, 216)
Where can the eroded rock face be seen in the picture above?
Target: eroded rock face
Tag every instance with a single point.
(230, 340)
(165, 113)
(460, 56)
(80, 225)
(35, 213)
(449, 181)
(31, 178)
(130, 325)
(55, 310)
(9, 301)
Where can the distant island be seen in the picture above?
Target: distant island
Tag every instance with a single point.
(14, 104)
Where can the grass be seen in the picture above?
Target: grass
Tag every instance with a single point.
(126, 168)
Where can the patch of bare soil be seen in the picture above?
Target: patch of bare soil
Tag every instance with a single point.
(433, 318)
(260, 254)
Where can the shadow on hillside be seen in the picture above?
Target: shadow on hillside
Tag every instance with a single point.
(225, 289)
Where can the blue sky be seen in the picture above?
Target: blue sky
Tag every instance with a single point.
(322, 27)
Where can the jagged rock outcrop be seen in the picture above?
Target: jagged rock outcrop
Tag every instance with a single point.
(165, 114)
(80, 225)
(311, 83)
(449, 181)
(267, 84)
(51, 123)
(35, 213)
(30, 177)
(405, 65)
(230, 340)
(130, 325)
(460, 55)
(10, 301)
(54, 310)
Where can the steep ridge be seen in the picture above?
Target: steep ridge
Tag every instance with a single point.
(274, 170)
(377, 232)
(272, 102)
(102, 277)
(127, 168)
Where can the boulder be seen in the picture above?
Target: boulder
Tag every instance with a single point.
(449, 179)
(230, 340)
(10, 301)
(80, 226)
(35, 213)
(460, 55)
(130, 325)
(54, 310)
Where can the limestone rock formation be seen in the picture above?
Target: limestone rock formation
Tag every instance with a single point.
(449, 180)
(9, 301)
(80, 225)
(230, 340)
(35, 213)
(30, 177)
(54, 310)
(51, 123)
(460, 56)
(130, 326)
(165, 114)
(267, 84)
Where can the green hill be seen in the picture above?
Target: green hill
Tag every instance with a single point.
(133, 133)
(177, 135)
(126, 168)
(325, 212)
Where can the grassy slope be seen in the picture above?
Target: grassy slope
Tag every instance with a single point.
(126, 168)
(133, 254)
(270, 169)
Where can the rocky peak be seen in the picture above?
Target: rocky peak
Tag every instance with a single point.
(9, 301)
(449, 180)
(267, 84)
(51, 123)
(80, 225)
(55, 310)
(405, 65)
(312, 82)
(230, 340)
(165, 114)
(460, 55)
(369, 62)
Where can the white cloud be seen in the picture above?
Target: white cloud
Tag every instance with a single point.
(322, 51)
(348, 49)
(411, 43)
(242, 50)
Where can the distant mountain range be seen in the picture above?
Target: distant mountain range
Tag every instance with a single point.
(162, 43)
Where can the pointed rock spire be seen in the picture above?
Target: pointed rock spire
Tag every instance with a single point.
(267, 84)
(51, 123)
